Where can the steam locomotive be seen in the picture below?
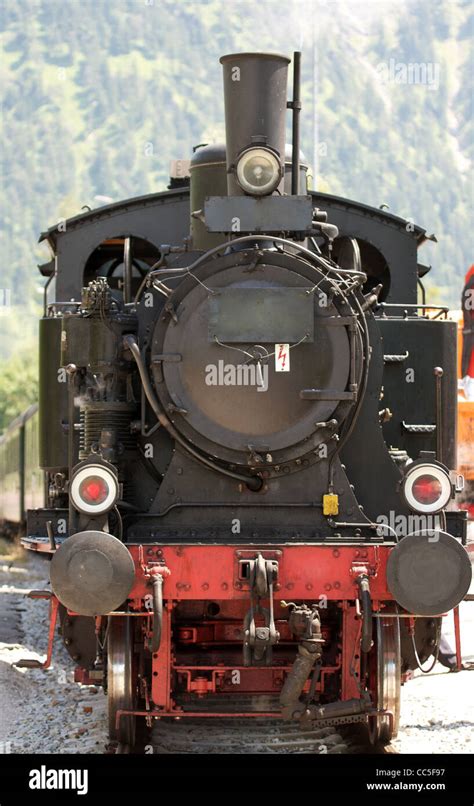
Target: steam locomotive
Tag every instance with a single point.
(247, 430)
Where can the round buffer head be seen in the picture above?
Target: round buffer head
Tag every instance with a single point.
(92, 573)
(429, 572)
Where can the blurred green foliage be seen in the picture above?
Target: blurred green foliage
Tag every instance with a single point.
(18, 385)
(98, 97)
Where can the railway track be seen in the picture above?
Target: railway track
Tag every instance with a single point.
(238, 736)
(202, 735)
(222, 735)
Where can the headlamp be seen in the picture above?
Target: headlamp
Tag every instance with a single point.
(426, 487)
(258, 171)
(94, 489)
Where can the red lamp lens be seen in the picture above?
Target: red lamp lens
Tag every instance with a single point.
(426, 489)
(93, 490)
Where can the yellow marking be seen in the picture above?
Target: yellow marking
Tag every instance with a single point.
(330, 504)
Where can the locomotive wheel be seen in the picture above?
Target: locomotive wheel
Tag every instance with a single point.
(387, 670)
(121, 682)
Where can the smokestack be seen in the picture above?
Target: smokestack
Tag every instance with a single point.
(255, 95)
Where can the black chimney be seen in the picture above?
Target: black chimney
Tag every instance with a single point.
(255, 96)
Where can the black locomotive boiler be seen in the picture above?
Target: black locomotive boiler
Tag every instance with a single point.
(247, 429)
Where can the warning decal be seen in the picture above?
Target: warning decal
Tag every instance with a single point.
(282, 357)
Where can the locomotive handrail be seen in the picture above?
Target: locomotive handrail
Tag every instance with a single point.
(443, 309)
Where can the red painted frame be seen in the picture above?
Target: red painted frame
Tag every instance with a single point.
(214, 572)
(306, 572)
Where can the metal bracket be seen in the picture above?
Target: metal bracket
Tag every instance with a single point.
(258, 640)
(396, 359)
(170, 311)
(418, 429)
(32, 663)
(265, 214)
(176, 408)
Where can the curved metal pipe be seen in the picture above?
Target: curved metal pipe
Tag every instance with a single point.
(157, 612)
(249, 238)
(295, 680)
(254, 482)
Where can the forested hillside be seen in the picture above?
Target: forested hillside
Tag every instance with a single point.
(99, 96)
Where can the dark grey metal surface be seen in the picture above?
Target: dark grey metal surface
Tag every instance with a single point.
(173, 495)
(89, 342)
(388, 249)
(267, 214)
(79, 638)
(208, 178)
(52, 407)
(295, 106)
(262, 315)
(224, 419)
(255, 87)
(410, 386)
(158, 218)
(303, 172)
(164, 218)
(197, 505)
(429, 572)
(92, 573)
(370, 468)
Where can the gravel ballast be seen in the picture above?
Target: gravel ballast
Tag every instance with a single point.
(47, 712)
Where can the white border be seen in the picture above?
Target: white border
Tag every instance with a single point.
(432, 470)
(270, 186)
(106, 475)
